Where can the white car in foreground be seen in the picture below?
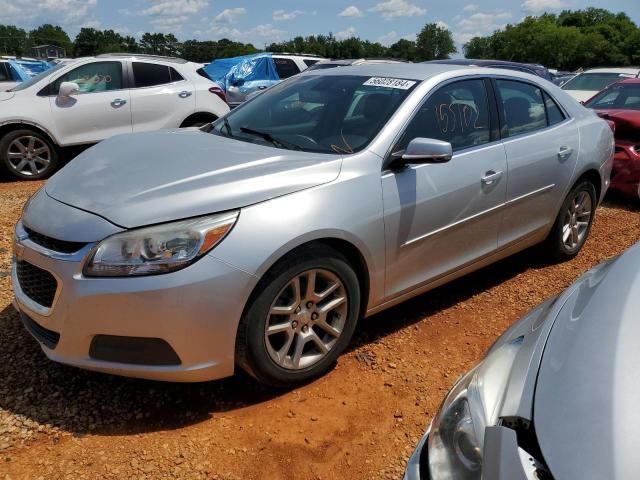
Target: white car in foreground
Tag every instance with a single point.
(94, 98)
(586, 84)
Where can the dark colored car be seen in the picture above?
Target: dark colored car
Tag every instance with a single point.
(620, 104)
(531, 68)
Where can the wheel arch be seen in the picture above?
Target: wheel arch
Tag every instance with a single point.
(9, 126)
(593, 175)
(199, 116)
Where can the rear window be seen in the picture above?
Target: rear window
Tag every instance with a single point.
(151, 75)
(594, 81)
(624, 96)
(286, 67)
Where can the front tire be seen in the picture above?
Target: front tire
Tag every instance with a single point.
(573, 223)
(301, 317)
(28, 155)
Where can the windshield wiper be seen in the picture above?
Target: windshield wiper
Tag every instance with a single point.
(269, 138)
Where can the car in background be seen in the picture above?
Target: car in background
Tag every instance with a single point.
(620, 104)
(531, 68)
(586, 84)
(90, 99)
(242, 78)
(560, 77)
(8, 78)
(15, 70)
(259, 240)
(323, 64)
(554, 397)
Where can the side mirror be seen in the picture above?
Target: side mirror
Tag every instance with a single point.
(68, 88)
(425, 150)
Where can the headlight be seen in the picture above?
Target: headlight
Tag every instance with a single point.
(456, 441)
(159, 249)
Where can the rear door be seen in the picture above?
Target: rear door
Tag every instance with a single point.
(542, 145)
(100, 110)
(160, 97)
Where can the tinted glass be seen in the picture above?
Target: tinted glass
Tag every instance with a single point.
(4, 73)
(150, 74)
(175, 76)
(308, 63)
(624, 96)
(523, 108)
(93, 77)
(37, 78)
(554, 114)
(286, 67)
(594, 81)
(457, 113)
(326, 114)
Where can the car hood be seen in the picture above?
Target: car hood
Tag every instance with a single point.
(586, 415)
(627, 122)
(142, 179)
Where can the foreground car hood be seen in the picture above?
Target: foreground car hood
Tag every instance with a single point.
(142, 179)
(586, 414)
(581, 95)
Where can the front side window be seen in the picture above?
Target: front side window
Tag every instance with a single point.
(93, 77)
(594, 81)
(457, 113)
(623, 96)
(326, 114)
(523, 107)
(286, 67)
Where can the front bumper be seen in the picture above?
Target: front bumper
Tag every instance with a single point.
(196, 311)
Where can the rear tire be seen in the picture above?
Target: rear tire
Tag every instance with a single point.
(28, 154)
(287, 338)
(573, 224)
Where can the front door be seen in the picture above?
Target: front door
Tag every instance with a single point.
(100, 110)
(439, 217)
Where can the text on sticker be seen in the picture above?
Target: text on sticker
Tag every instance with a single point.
(390, 83)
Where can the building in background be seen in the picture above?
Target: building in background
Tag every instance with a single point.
(48, 52)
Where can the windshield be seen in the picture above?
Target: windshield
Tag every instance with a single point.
(623, 96)
(326, 114)
(594, 81)
(33, 80)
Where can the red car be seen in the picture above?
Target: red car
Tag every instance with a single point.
(620, 103)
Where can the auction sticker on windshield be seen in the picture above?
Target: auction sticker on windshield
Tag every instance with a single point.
(390, 83)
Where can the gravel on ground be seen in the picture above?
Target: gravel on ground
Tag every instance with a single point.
(361, 421)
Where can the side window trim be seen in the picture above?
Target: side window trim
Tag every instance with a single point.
(502, 120)
(489, 94)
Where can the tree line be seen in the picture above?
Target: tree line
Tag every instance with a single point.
(581, 38)
(569, 40)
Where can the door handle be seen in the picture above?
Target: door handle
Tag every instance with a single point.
(184, 94)
(118, 102)
(491, 177)
(564, 153)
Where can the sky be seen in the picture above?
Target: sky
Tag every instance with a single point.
(262, 22)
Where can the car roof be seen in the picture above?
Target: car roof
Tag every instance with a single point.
(483, 62)
(139, 56)
(633, 70)
(413, 71)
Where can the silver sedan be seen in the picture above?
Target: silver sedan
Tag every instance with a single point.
(262, 239)
(556, 395)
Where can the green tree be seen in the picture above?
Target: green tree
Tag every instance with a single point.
(13, 40)
(403, 49)
(434, 42)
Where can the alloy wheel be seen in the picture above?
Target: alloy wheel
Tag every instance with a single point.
(28, 155)
(306, 319)
(576, 221)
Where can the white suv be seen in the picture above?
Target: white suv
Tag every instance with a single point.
(91, 99)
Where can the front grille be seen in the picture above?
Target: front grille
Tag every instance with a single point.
(36, 283)
(54, 244)
(48, 338)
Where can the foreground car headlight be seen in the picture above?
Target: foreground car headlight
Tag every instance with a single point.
(159, 249)
(456, 440)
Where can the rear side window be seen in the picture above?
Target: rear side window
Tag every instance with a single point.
(308, 63)
(554, 114)
(151, 75)
(457, 113)
(523, 107)
(286, 67)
